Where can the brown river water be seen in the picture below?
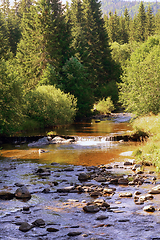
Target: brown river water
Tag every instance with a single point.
(91, 147)
(64, 211)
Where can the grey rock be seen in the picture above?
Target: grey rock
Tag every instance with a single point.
(72, 234)
(22, 192)
(25, 227)
(39, 222)
(93, 208)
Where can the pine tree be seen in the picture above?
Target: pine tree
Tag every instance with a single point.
(4, 41)
(141, 23)
(42, 42)
(97, 57)
(114, 31)
(77, 29)
(157, 23)
(126, 26)
(150, 23)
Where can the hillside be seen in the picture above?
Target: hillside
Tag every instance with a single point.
(132, 6)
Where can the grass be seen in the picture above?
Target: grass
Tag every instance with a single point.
(149, 152)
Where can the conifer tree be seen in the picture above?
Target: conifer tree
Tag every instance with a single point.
(114, 31)
(157, 23)
(141, 23)
(150, 23)
(4, 41)
(126, 26)
(77, 29)
(97, 57)
(42, 42)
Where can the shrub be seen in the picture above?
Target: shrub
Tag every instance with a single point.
(50, 106)
(104, 106)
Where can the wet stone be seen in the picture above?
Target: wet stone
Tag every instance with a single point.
(125, 194)
(6, 195)
(95, 194)
(25, 227)
(101, 217)
(22, 193)
(128, 163)
(83, 177)
(154, 191)
(149, 208)
(91, 208)
(39, 222)
(123, 181)
(46, 190)
(72, 234)
(52, 229)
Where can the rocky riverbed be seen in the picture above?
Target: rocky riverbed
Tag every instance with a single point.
(46, 201)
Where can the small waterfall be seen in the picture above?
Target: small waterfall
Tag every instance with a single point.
(90, 139)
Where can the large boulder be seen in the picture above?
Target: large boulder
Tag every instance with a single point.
(22, 193)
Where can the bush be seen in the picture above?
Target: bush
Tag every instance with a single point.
(104, 106)
(51, 106)
(140, 87)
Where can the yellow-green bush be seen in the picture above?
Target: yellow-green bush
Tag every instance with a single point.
(50, 106)
(104, 106)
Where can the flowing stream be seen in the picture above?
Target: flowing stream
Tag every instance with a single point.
(91, 146)
(61, 210)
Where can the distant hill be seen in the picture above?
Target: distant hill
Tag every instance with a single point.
(132, 6)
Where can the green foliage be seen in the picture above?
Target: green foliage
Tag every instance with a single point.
(4, 41)
(149, 152)
(140, 87)
(43, 42)
(109, 89)
(50, 76)
(50, 106)
(10, 99)
(104, 106)
(75, 81)
(90, 42)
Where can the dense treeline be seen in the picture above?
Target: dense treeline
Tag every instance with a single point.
(124, 29)
(56, 61)
(51, 57)
(132, 6)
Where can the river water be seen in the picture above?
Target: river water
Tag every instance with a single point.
(90, 148)
(63, 211)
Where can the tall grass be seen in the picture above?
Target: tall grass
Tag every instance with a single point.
(149, 152)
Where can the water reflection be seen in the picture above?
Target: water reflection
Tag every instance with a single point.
(90, 148)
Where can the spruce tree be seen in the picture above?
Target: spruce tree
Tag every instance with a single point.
(141, 23)
(97, 57)
(42, 42)
(4, 41)
(126, 25)
(150, 23)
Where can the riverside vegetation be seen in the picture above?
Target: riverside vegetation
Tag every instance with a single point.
(75, 57)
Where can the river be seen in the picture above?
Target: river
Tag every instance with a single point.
(55, 198)
(91, 147)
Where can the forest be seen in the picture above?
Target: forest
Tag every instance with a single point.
(131, 5)
(57, 62)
